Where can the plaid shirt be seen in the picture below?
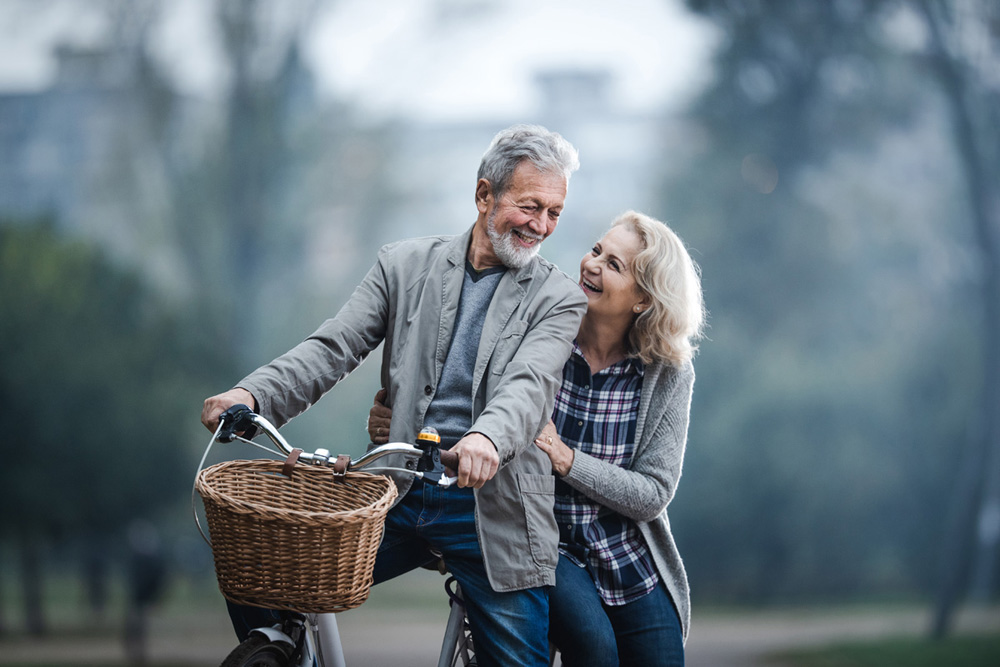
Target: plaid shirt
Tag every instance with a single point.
(597, 415)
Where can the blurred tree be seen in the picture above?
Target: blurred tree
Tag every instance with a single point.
(258, 201)
(98, 377)
(285, 178)
(234, 188)
(258, 166)
(963, 51)
(833, 384)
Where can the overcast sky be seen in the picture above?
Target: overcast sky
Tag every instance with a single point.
(427, 58)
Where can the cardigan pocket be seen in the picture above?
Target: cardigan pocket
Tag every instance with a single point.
(538, 500)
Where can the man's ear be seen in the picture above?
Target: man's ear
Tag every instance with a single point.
(484, 195)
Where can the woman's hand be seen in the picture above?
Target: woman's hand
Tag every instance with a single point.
(559, 453)
(379, 418)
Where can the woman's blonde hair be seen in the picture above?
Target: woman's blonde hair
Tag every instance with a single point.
(665, 273)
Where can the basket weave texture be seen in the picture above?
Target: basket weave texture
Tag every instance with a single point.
(305, 543)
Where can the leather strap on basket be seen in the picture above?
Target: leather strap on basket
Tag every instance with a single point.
(340, 467)
(290, 462)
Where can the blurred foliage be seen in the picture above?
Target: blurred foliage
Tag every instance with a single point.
(99, 382)
(842, 372)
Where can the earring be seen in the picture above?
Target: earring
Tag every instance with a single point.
(638, 309)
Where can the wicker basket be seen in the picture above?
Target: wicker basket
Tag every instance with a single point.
(305, 543)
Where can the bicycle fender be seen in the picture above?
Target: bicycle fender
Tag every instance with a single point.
(274, 635)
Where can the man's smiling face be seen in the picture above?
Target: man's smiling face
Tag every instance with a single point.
(525, 215)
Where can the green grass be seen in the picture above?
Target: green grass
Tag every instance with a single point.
(964, 651)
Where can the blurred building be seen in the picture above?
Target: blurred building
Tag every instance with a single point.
(91, 154)
(624, 157)
(109, 149)
(52, 141)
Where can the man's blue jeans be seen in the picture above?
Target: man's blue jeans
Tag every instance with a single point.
(644, 632)
(507, 628)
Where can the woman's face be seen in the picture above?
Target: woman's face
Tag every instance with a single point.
(606, 275)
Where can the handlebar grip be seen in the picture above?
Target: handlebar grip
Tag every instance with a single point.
(236, 420)
(449, 459)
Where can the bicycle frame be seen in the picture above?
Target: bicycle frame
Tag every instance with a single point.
(322, 646)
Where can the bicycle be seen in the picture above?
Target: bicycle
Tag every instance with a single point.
(306, 633)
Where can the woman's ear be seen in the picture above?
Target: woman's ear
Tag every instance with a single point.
(641, 307)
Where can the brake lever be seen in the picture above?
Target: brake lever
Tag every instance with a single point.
(439, 478)
(432, 468)
(237, 419)
(447, 481)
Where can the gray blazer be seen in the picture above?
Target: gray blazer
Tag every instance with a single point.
(409, 299)
(642, 491)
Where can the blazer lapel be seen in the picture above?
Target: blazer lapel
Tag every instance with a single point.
(453, 275)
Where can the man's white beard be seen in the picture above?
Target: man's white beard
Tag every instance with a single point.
(506, 249)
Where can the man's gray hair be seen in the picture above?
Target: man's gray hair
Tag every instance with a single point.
(548, 151)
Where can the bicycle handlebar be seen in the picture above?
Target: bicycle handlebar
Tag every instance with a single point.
(240, 422)
(241, 419)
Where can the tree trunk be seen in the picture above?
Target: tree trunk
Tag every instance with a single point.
(979, 490)
(3, 622)
(31, 585)
(95, 577)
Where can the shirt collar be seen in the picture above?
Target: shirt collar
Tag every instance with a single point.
(626, 366)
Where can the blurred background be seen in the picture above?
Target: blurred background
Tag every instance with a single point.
(189, 187)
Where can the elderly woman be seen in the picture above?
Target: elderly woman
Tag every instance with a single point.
(616, 441)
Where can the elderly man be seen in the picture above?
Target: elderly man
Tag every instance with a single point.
(476, 330)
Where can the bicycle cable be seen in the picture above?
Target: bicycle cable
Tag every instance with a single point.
(201, 464)
(194, 485)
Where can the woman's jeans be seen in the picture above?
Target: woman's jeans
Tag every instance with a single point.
(507, 628)
(644, 632)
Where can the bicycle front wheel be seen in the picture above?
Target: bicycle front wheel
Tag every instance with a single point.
(258, 651)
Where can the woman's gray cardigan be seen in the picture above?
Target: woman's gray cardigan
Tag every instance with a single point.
(642, 491)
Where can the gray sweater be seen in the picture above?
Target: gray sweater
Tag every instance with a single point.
(642, 491)
(450, 411)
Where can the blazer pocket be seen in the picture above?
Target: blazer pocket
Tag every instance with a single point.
(538, 500)
(507, 346)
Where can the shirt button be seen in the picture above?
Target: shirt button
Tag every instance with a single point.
(428, 390)
(580, 423)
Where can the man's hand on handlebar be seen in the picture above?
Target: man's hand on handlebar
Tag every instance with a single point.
(215, 405)
(478, 460)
